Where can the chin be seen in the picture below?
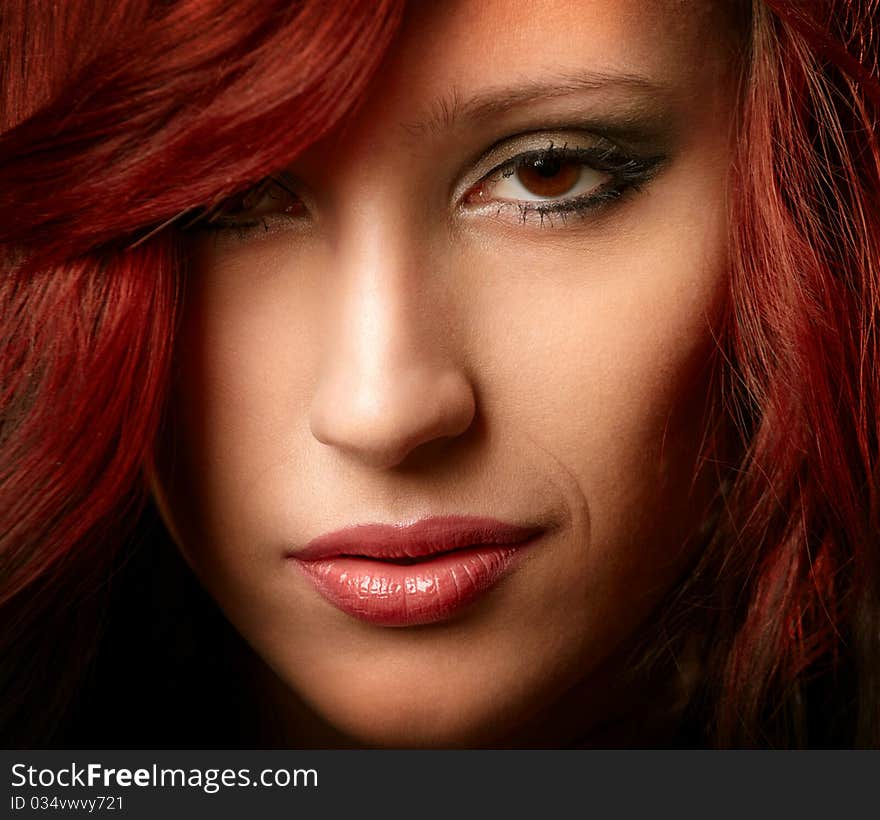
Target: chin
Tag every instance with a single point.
(396, 716)
(417, 728)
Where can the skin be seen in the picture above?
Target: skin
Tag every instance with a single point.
(412, 346)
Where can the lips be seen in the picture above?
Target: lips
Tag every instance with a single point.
(407, 575)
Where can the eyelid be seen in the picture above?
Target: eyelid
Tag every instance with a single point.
(280, 179)
(261, 188)
(506, 151)
(236, 212)
(626, 171)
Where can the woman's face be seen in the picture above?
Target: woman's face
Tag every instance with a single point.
(489, 293)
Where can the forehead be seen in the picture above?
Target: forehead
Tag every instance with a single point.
(485, 58)
(465, 74)
(468, 44)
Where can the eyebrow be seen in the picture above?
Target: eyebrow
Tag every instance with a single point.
(452, 110)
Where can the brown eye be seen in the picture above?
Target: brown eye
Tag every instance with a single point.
(271, 201)
(539, 177)
(269, 197)
(549, 176)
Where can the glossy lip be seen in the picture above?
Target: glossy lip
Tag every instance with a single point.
(412, 574)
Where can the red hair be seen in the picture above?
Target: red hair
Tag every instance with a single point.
(787, 593)
(143, 111)
(146, 111)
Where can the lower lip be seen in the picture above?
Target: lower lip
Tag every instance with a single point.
(431, 590)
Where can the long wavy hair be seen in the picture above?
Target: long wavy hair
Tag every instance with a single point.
(120, 116)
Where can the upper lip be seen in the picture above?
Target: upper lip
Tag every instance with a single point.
(429, 536)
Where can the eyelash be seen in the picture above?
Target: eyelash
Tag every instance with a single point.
(216, 219)
(628, 175)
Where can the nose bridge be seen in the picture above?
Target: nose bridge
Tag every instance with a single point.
(389, 380)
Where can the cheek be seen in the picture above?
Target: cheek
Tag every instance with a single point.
(600, 357)
(246, 353)
(595, 374)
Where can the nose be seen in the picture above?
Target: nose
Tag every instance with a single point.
(389, 382)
